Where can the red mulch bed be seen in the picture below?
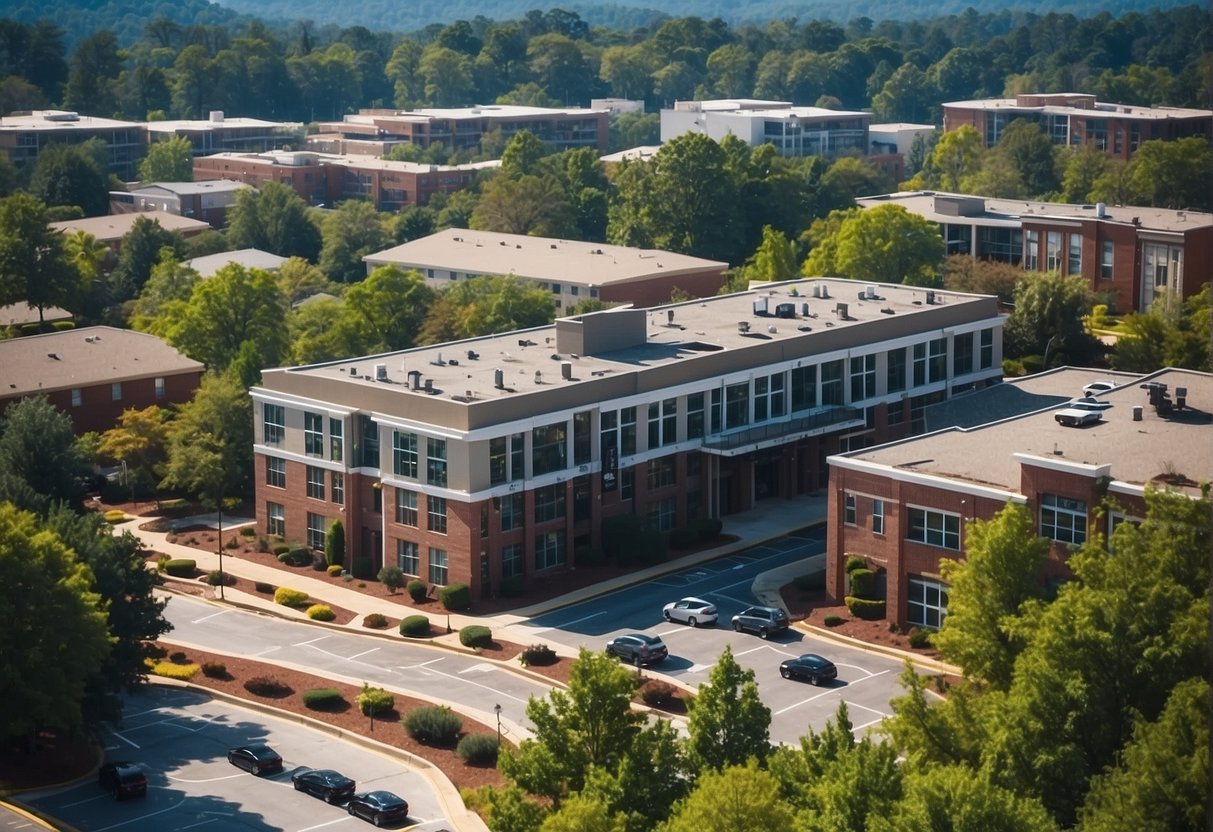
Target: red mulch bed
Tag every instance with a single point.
(813, 606)
(201, 588)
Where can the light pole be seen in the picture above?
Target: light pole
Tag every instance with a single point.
(497, 710)
(222, 577)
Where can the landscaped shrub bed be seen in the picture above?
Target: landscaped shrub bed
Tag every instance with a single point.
(375, 621)
(434, 726)
(539, 655)
(181, 567)
(478, 749)
(268, 687)
(321, 612)
(475, 635)
(288, 597)
(415, 626)
(323, 699)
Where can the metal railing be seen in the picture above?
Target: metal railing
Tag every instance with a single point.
(775, 430)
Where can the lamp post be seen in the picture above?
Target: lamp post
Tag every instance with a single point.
(222, 577)
(497, 710)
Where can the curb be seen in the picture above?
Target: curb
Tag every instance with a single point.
(37, 817)
(923, 662)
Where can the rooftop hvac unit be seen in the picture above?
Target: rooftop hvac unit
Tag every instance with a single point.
(870, 291)
(760, 306)
(353, 371)
(499, 379)
(414, 379)
(785, 310)
(930, 297)
(841, 310)
(566, 370)
(429, 385)
(743, 326)
(669, 314)
(539, 377)
(473, 355)
(380, 372)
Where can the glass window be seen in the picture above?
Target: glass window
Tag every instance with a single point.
(695, 416)
(1052, 251)
(737, 405)
(663, 513)
(895, 371)
(275, 472)
(1105, 260)
(654, 425)
(1074, 261)
(313, 434)
(77, 397)
(370, 444)
(337, 481)
(582, 437)
(927, 603)
(438, 566)
(937, 360)
(548, 449)
(315, 482)
(1031, 250)
(716, 409)
(848, 510)
(669, 421)
(935, 528)
(406, 507)
(511, 512)
(549, 503)
(627, 484)
(962, 354)
(608, 435)
(987, 349)
(863, 378)
(831, 383)
(517, 456)
(511, 560)
(435, 512)
(662, 472)
(549, 550)
(878, 516)
(627, 431)
(404, 454)
(160, 389)
(408, 557)
(316, 526)
(804, 388)
(1063, 519)
(116, 391)
(499, 460)
(336, 440)
(435, 461)
(275, 519)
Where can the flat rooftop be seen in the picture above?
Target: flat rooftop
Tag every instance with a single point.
(538, 258)
(1139, 452)
(249, 258)
(477, 112)
(195, 125)
(203, 186)
(935, 205)
(85, 357)
(62, 120)
(299, 158)
(1159, 113)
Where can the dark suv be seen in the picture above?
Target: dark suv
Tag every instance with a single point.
(637, 648)
(761, 620)
(123, 779)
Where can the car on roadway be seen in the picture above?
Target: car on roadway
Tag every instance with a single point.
(255, 759)
(330, 786)
(692, 611)
(1073, 417)
(638, 648)
(378, 807)
(762, 620)
(123, 779)
(811, 667)
(1097, 387)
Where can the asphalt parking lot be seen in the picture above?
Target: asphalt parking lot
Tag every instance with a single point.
(180, 739)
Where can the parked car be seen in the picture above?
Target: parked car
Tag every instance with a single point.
(378, 807)
(1074, 417)
(255, 759)
(811, 667)
(1097, 387)
(123, 779)
(693, 611)
(761, 620)
(638, 648)
(331, 786)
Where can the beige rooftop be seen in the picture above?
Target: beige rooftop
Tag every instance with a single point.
(1099, 108)
(114, 227)
(538, 258)
(85, 357)
(61, 120)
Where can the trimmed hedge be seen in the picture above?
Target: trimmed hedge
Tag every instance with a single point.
(268, 686)
(863, 583)
(855, 562)
(375, 621)
(478, 749)
(833, 620)
(539, 655)
(181, 567)
(416, 590)
(214, 670)
(323, 699)
(375, 700)
(435, 725)
(262, 586)
(321, 612)
(296, 557)
(920, 638)
(415, 626)
(456, 597)
(865, 608)
(288, 597)
(475, 635)
(172, 670)
(656, 693)
(115, 515)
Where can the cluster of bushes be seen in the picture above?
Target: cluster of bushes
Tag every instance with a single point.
(478, 749)
(181, 567)
(214, 670)
(437, 725)
(375, 621)
(863, 601)
(392, 577)
(696, 531)
(175, 670)
(262, 586)
(657, 693)
(215, 578)
(476, 635)
(288, 597)
(321, 612)
(375, 701)
(416, 590)
(920, 638)
(630, 540)
(115, 516)
(415, 626)
(297, 556)
(539, 655)
(268, 687)
(324, 699)
(456, 597)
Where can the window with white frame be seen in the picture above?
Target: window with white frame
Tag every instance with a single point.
(499, 457)
(863, 377)
(517, 456)
(737, 405)
(927, 603)
(336, 440)
(511, 512)
(1031, 250)
(627, 431)
(878, 516)
(669, 421)
(77, 397)
(313, 434)
(934, 528)
(315, 482)
(695, 416)
(804, 388)
(895, 371)
(406, 507)
(1063, 519)
(962, 354)
(768, 397)
(1106, 260)
(549, 550)
(831, 384)
(583, 437)
(116, 391)
(1052, 251)
(930, 361)
(408, 557)
(511, 560)
(337, 481)
(275, 519)
(435, 462)
(663, 513)
(1074, 261)
(435, 512)
(404, 454)
(273, 424)
(161, 390)
(549, 503)
(275, 471)
(987, 349)
(438, 566)
(317, 525)
(715, 409)
(848, 509)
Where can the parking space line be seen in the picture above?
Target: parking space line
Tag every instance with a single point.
(200, 823)
(862, 669)
(209, 617)
(493, 690)
(172, 808)
(698, 668)
(866, 708)
(86, 800)
(306, 643)
(731, 598)
(326, 823)
(568, 623)
(131, 743)
(267, 650)
(363, 653)
(803, 702)
(752, 650)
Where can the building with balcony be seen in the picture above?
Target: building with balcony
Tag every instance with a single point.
(1130, 256)
(794, 131)
(498, 458)
(1077, 119)
(571, 270)
(903, 506)
(24, 135)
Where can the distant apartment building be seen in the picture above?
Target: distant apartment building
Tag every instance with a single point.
(95, 373)
(571, 270)
(24, 135)
(1077, 119)
(208, 201)
(889, 143)
(794, 131)
(112, 228)
(326, 179)
(376, 132)
(220, 133)
(1130, 256)
(497, 458)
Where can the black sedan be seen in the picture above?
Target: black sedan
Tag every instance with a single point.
(379, 807)
(255, 759)
(332, 786)
(637, 648)
(811, 667)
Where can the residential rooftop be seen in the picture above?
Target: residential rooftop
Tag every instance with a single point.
(643, 153)
(114, 227)
(15, 314)
(248, 258)
(83, 358)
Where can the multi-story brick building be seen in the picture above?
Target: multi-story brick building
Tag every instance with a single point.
(903, 506)
(220, 133)
(208, 201)
(1075, 119)
(500, 456)
(1129, 255)
(94, 374)
(795, 131)
(24, 135)
(572, 271)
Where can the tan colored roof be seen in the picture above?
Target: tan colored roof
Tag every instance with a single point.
(537, 258)
(85, 357)
(16, 314)
(61, 120)
(1101, 108)
(114, 227)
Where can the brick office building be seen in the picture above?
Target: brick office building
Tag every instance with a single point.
(95, 373)
(903, 506)
(497, 457)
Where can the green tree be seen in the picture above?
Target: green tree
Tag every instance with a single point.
(1174, 174)
(34, 265)
(70, 174)
(850, 177)
(952, 799)
(142, 248)
(1171, 333)
(138, 442)
(822, 241)
(235, 306)
(905, 96)
(415, 223)
(323, 330)
(522, 155)
(524, 205)
(447, 75)
(728, 723)
(484, 305)
(40, 462)
(1048, 317)
(652, 777)
(274, 220)
(388, 309)
(40, 576)
(86, 253)
(991, 593)
(1032, 154)
(581, 813)
(92, 75)
(350, 233)
(163, 298)
(965, 273)
(774, 260)
(168, 161)
(958, 154)
(210, 447)
(334, 544)
(1082, 168)
(404, 71)
(888, 244)
(298, 280)
(510, 810)
(740, 799)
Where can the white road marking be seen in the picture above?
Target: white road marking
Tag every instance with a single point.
(568, 623)
(306, 643)
(483, 667)
(754, 650)
(803, 702)
(86, 800)
(836, 690)
(263, 652)
(363, 653)
(731, 598)
(200, 823)
(326, 823)
(209, 617)
(140, 818)
(862, 670)
(698, 668)
(493, 690)
(131, 743)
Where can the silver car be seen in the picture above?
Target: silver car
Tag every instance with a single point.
(693, 611)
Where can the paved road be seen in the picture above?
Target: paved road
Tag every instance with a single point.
(865, 681)
(464, 681)
(180, 739)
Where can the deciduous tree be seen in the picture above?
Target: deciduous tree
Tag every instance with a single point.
(728, 723)
(952, 799)
(484, 305)
(142, 248)
(34, 266)
(741, 798)
(70, 174)
(350, 233)
(274, 220)
(40, 462)
(210, 451)
(168, 161)
(234, 306)
(138, 442)
(388, 308)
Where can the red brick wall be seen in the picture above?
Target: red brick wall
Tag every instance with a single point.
(99, 412)
(657, 289)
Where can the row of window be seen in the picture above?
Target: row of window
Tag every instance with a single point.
(116, 392)
(1053, 253)
(273, 432)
